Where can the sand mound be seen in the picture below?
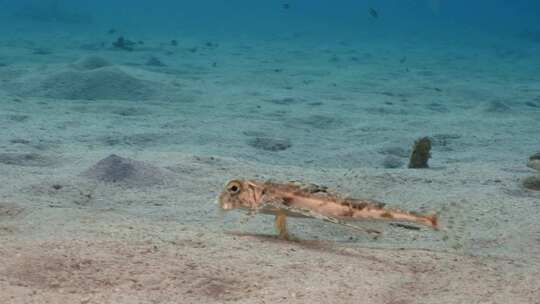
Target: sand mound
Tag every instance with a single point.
(9, 210)
(270, 144)
(89, 84)
(126, 172)
(91, 63)
(532, 183)
(25, 159)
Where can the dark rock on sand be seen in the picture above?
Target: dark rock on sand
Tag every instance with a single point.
(129, 111)
(437, 107)
(41, 51)
(18, 117)
(534, 161)
(284, 101)
(8, 210)
(25, 159)
(100, 108)
(21, 141)
(100, 83)
(126, 172)
(534, 103)
(91, 63)
(154, 61)
(420, 153)
(123, 44)
(532, 183)
(270, 144)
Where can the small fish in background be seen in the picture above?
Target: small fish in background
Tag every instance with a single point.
(124, 44)
(111, 31)
(286, 6)
(373, 13)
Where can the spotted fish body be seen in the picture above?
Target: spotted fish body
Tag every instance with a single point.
(311, 201)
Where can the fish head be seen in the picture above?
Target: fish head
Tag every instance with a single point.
(240, 194)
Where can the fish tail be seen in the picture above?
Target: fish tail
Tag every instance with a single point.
(434, 219)
(390, 214)
(430, 220)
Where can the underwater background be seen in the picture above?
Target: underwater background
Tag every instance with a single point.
(122, 121)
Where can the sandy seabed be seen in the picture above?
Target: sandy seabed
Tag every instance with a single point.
(80, 226)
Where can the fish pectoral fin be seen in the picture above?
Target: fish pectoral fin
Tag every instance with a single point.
(356, 227)
(315, 215)
(281, 224)
(249, 215)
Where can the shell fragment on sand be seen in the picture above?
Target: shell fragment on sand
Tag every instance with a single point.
(534, 161)
(532, 183)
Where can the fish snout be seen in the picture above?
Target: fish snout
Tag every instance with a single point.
(224, 204)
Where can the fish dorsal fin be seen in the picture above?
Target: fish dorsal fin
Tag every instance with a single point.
(308, 187)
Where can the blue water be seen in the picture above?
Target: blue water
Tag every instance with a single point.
(269, 17)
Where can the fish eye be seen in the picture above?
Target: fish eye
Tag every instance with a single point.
(233, 187)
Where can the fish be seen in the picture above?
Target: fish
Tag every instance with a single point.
(297, 199)
(373, 13)
(286, 6)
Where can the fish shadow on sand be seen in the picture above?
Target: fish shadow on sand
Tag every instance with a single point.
(314, 245)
